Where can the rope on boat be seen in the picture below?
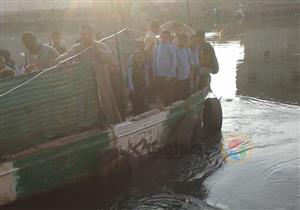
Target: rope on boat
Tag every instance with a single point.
(57, 65)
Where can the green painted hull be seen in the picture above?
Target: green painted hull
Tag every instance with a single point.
(54, 164)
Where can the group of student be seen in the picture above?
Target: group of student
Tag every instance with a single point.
(164, 66)
(170, 66)
(37, 55)
(40, 56)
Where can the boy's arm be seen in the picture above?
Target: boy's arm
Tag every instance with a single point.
(213, 61)
(190, 56)
(212, 67)
(174, 60)
(191, 62)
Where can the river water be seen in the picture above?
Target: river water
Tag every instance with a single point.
(253, 164)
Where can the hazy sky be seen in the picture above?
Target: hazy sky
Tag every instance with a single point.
(15, 5)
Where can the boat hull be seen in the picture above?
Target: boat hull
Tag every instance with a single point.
(71, 159)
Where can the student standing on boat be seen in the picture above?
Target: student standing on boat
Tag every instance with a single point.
(150, 39)
(102, 57)
(56, 43)
(165, 64)
(38, 56)
(87, 40)
(150, 43)
(178, 29)
(195, 68)
(208, 60)
(138, 81)
(183, 67)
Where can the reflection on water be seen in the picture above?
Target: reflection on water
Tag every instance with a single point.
(270, 69)
(229, 54)
(265, 64)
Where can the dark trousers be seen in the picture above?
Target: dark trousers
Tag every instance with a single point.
(195, 78)
(165, 90)
(204, 81)
(182, 89)
(138, 102)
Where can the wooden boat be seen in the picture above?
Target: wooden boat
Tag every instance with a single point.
(52, 134)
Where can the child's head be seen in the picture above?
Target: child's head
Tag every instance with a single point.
(200, 36)
(178, 28)
(194, 40)
(139, 57)
(183, 40)
(155, 26)
(165, 36)
(2, 62)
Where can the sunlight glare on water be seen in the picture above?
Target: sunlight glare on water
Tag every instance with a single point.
(228, 54)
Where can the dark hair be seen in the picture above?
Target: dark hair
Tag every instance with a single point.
(183, 36)
(166, 32)
(55, 33)
(89, 27)
(29, 35)
(154, 24)
(200, 33)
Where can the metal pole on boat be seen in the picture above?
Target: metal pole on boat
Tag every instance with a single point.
(189, 12)
(122, 97)
(112, 4)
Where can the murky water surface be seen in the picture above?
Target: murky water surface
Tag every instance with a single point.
(254, 164)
